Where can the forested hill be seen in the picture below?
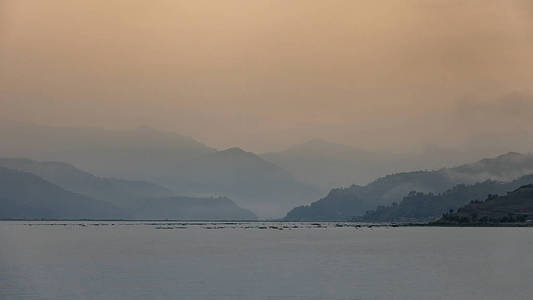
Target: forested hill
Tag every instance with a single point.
(514, 208)
(346, 203)
(428, 206)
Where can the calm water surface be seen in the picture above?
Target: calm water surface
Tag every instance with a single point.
(144, 260)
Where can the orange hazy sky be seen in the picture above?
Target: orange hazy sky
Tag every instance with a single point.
(266, 74)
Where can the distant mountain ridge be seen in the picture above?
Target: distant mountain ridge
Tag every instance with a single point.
(70, 193)
(504, 167)
(269, 184)
(73, 179)
(345, 203)
(252, 182)
(181, 164)
(330, 165)
(141, 153)
(326, 164)
(26, 196)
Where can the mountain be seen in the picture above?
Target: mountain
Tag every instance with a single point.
(420, 207)
(326, 165)
(26, 196)
(140, 154)
(187, 208)
(178, 163)
(252, 182)
(345, 203)
(505, 167)
(117, 191)
(515, 207)
(329, 165)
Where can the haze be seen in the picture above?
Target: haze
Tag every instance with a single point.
(263, 75)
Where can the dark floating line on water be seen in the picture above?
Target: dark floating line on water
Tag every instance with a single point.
(265, 225)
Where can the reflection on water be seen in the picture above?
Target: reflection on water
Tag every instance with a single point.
(228, 260)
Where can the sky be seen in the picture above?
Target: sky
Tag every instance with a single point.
(262, 75)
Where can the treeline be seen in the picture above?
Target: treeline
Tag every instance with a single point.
(421, 207)
(515, 207)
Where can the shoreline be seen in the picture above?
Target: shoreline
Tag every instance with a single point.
(334, 223)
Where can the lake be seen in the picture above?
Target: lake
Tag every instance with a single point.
(183, 260)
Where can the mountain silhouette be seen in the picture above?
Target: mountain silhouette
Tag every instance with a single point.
(251, 181)
(26, 196)
(117, 191)
(344, 203)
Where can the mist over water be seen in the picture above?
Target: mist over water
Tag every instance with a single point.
(136, 260)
